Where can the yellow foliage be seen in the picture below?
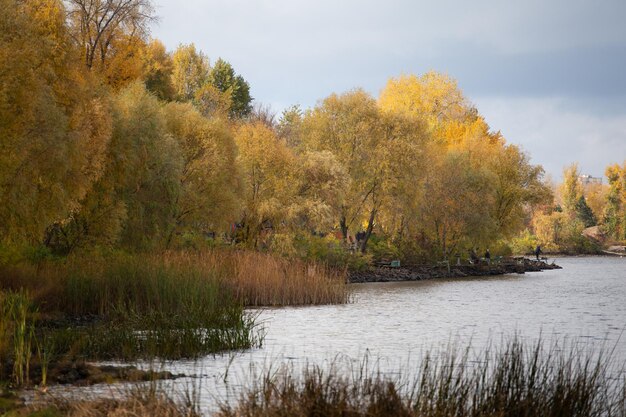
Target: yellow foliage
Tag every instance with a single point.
(54, 122)
(210, 180)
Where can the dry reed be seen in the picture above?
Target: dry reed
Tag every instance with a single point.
(259, 279)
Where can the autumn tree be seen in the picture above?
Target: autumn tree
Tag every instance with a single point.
(320, 184)
(98, 25)
(209, 184)
(615, 209)
(134, 203)
(54, 121)
(509, 185)
(433, 97)
(267, 168)
(289, 125)
(189, 73)
(571, 189)
(456, 202)
(349, 126)
(212, 103)
(157, 70)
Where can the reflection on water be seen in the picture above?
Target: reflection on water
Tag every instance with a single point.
(394, 322)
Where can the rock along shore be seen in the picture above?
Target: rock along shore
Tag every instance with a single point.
(385, 273)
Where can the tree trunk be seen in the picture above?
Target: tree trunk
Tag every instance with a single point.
(368, 231)
(344, 228)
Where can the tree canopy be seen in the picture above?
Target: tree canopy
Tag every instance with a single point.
(109, 139)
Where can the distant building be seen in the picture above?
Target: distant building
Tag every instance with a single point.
(588, 179)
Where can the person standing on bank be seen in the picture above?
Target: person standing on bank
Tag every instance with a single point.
(538, 251)
(488, 257)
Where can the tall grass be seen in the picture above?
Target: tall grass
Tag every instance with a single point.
(17, 328)
(119, 307)
(170, 305)
(174, 282)
(259, 279)
(514, 381)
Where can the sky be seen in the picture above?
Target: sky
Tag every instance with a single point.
(549, 75)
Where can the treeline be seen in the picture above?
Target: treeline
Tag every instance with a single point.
(109, 140)
(567, 224)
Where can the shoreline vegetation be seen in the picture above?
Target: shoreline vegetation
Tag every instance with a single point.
(510, 379)
(58, 314)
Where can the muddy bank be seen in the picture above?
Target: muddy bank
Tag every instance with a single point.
(84, 373)
(386, 273)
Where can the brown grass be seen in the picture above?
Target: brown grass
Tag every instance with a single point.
(94, 284)
(264, 280)
(146, 402)
(515, 380)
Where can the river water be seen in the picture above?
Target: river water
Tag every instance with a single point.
(393, 323)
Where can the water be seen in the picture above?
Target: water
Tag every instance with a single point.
(585, 302)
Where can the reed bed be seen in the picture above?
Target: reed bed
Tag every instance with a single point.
(174, 281)
(514, 381)
(259, 279)
(169, 305)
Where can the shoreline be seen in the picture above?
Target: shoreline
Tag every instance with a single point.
(386, 273)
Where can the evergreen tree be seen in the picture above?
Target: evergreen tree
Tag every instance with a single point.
(584, 212)
(223, 77)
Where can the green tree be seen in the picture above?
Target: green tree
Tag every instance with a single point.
(584, 212)
(615, 210)
(224, 78)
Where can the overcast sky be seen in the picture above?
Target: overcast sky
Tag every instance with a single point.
(550, 75)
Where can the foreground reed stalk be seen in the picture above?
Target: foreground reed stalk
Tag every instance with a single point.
(515, 381)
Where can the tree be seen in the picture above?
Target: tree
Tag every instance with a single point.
(615, 209)
(584, 212)
(134, 203)
(190, 72)
(320, 186)
(349, 126)
(267, 166)
(157, 70)
(571, 190)
(455, 206)
(210, 181)
(212, 103)
(573, 199)
(433, 97)
(97, 25)
(54, 122)
(224, 78)
(289, 126)
(517, 185)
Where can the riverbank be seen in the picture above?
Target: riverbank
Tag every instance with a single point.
(386, 273)
(57, 315)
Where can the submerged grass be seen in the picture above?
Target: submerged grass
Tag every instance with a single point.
(514, 381)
